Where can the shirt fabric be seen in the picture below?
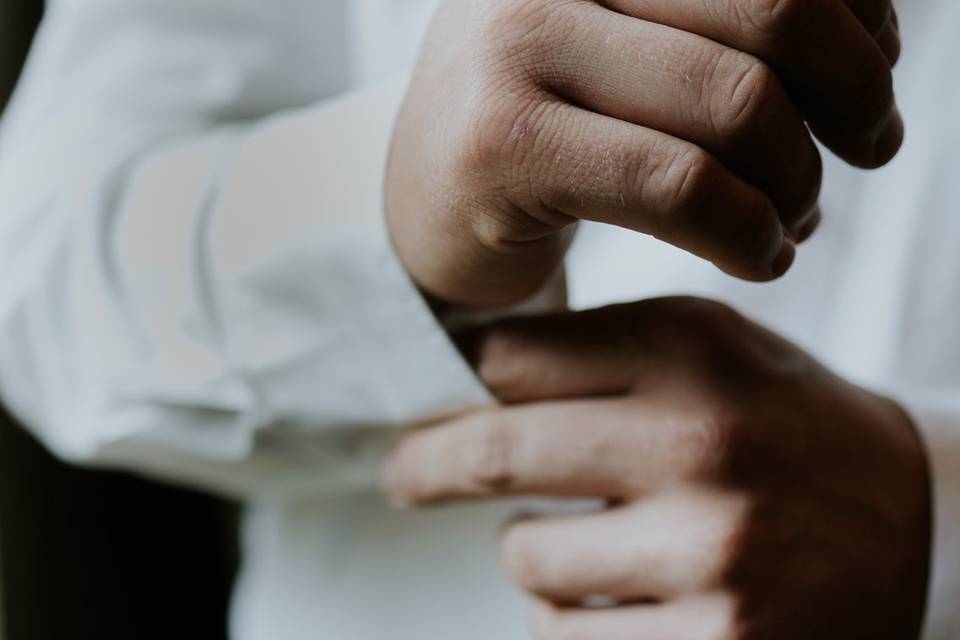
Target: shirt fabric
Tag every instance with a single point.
(199, 287)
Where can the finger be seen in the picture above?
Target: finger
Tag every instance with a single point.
(806, 229)
(679, 542)
(593, 167)
(831, 65)
(564, 355)
(874, 15)
(652, 347)
(889, 41)
(552, 449)
(701, 618)
(725, 101)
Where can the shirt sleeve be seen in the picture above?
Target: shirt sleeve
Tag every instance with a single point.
(938, 415)
(199, 284)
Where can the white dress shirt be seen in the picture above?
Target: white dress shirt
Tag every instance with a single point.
(198, 286)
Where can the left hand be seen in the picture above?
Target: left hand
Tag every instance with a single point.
(753, 494)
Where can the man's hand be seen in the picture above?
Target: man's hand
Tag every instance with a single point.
(752, 493)
(682, 119)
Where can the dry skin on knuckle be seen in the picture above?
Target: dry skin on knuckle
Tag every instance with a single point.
(498, 122)
(502, 110)
(681, 182)
(744, 94)
(503, 160)
(559, 157)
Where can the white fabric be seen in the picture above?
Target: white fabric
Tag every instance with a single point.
(198, 286)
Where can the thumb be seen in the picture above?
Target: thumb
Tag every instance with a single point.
(611, 350)
(546, 357)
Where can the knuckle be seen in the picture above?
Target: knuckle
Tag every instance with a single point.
(709, 320)
(497, 127)
(552, 161)
(746, 96)
(490, 462)
(502, 231)
(724, 321)
(731, 348)
(502, 112)
(708, 445)
(774, 19)
(687, 179)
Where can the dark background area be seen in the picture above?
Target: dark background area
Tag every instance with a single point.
(103, 556)
(18, 21)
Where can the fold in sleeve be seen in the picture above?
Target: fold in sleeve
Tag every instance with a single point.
(200, 286)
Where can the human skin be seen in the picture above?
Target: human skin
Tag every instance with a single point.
(752, 494)
(683, 119)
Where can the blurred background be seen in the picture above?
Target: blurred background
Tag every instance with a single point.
(86, 554)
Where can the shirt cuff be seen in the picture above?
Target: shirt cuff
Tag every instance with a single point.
(316, 313)
(290, 346)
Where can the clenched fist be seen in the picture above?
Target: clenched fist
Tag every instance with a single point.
(752, 494)
(688, 120)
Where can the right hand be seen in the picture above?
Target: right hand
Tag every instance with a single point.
(752, 494)
(684, 119)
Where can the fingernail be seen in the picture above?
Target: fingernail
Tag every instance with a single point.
(784, 259)
(890, 139)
